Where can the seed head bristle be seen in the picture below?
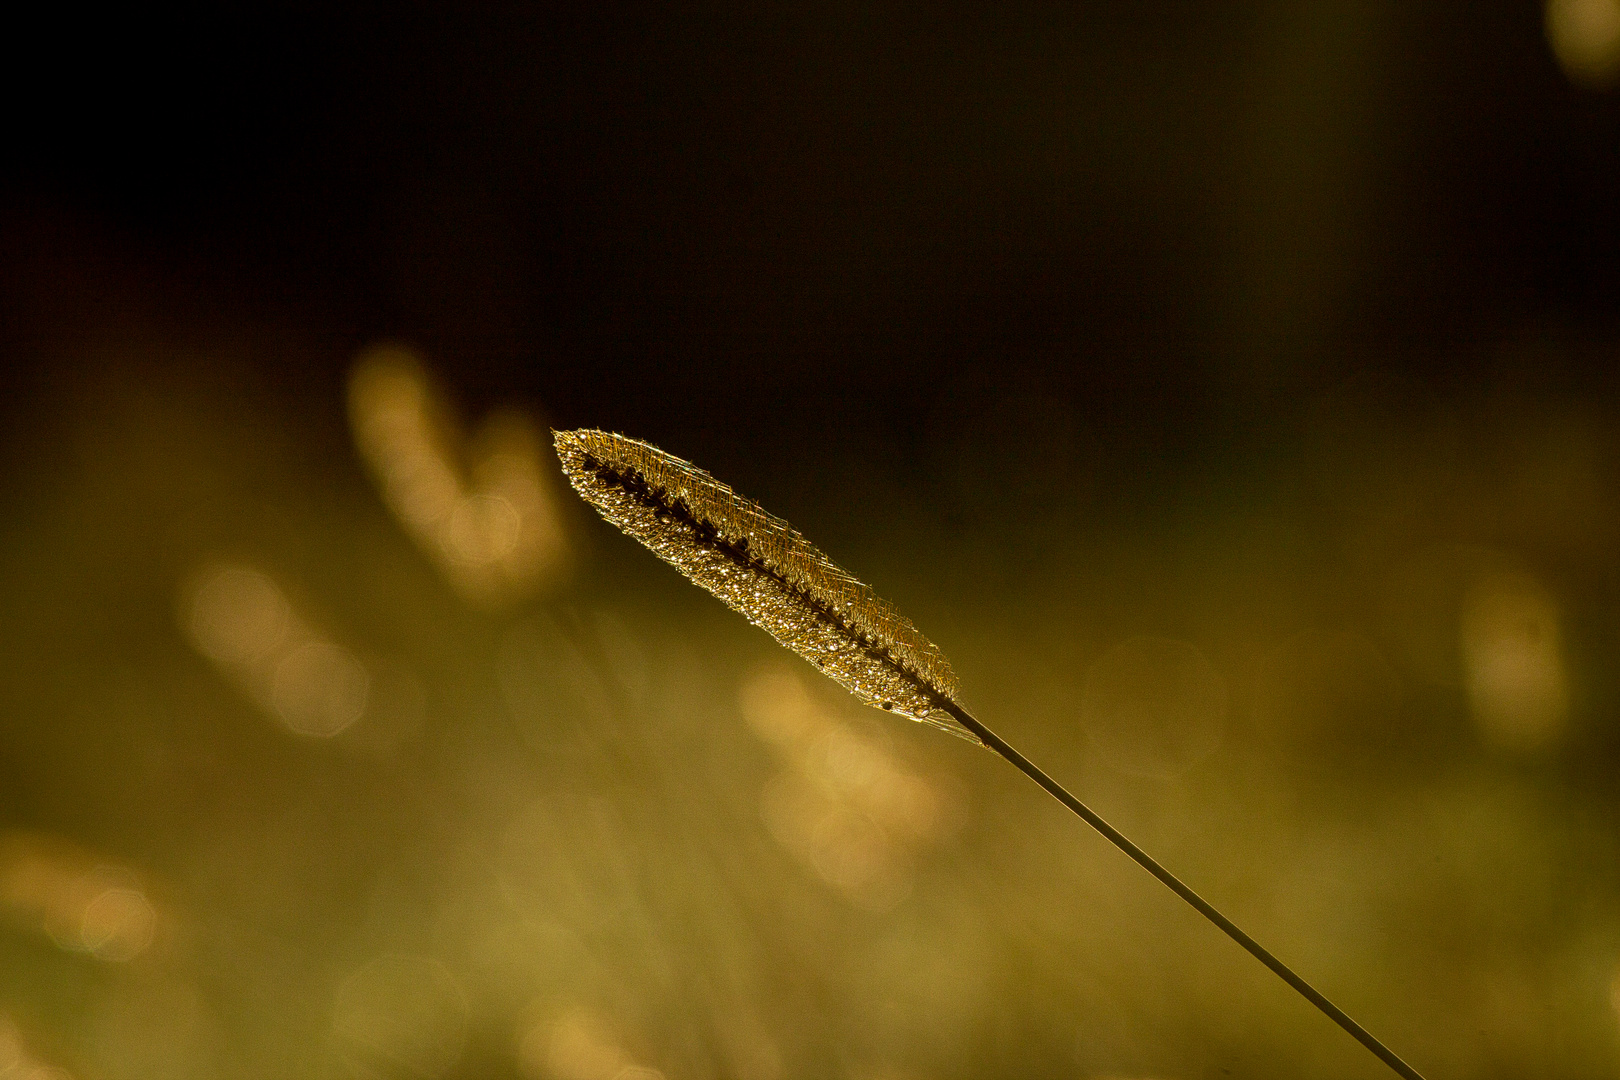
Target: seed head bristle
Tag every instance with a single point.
(763, 567)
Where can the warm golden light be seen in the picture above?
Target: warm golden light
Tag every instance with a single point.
(401, 1014)
(1585, 36)
(486, 510)
(319, 688)
(843, 804)
(16, 1063)
(118, 924)
(578, 1045)
(85, 904)
(1513, 660)
(240, 618)
(11, 1047)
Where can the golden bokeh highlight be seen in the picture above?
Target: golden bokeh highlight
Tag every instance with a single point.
(12, 1053)
(401, 1015)
(84, 903)
(238, 617)
(577, 1044)
(842, 802)
(118, 924)
(17, 1063)
(486, 508)
(1513, 659)
(1585, 37)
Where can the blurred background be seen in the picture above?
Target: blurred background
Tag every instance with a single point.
(1230, 390)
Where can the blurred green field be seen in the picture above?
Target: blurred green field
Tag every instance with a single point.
(339, 742)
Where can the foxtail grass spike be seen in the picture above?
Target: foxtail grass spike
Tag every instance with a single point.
(760, 565)
(764, 568)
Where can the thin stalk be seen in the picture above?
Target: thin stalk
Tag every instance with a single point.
(763, 567)
(1181, 889)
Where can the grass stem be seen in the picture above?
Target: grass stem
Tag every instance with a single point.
(1181, 889)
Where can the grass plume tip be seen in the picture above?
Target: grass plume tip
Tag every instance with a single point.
(764, 568)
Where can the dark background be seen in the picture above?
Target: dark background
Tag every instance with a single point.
(1255, 326)
(827, 221)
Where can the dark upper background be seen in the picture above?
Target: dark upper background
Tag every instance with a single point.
(841, 220)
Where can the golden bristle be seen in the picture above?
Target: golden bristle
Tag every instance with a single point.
(763, 567)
